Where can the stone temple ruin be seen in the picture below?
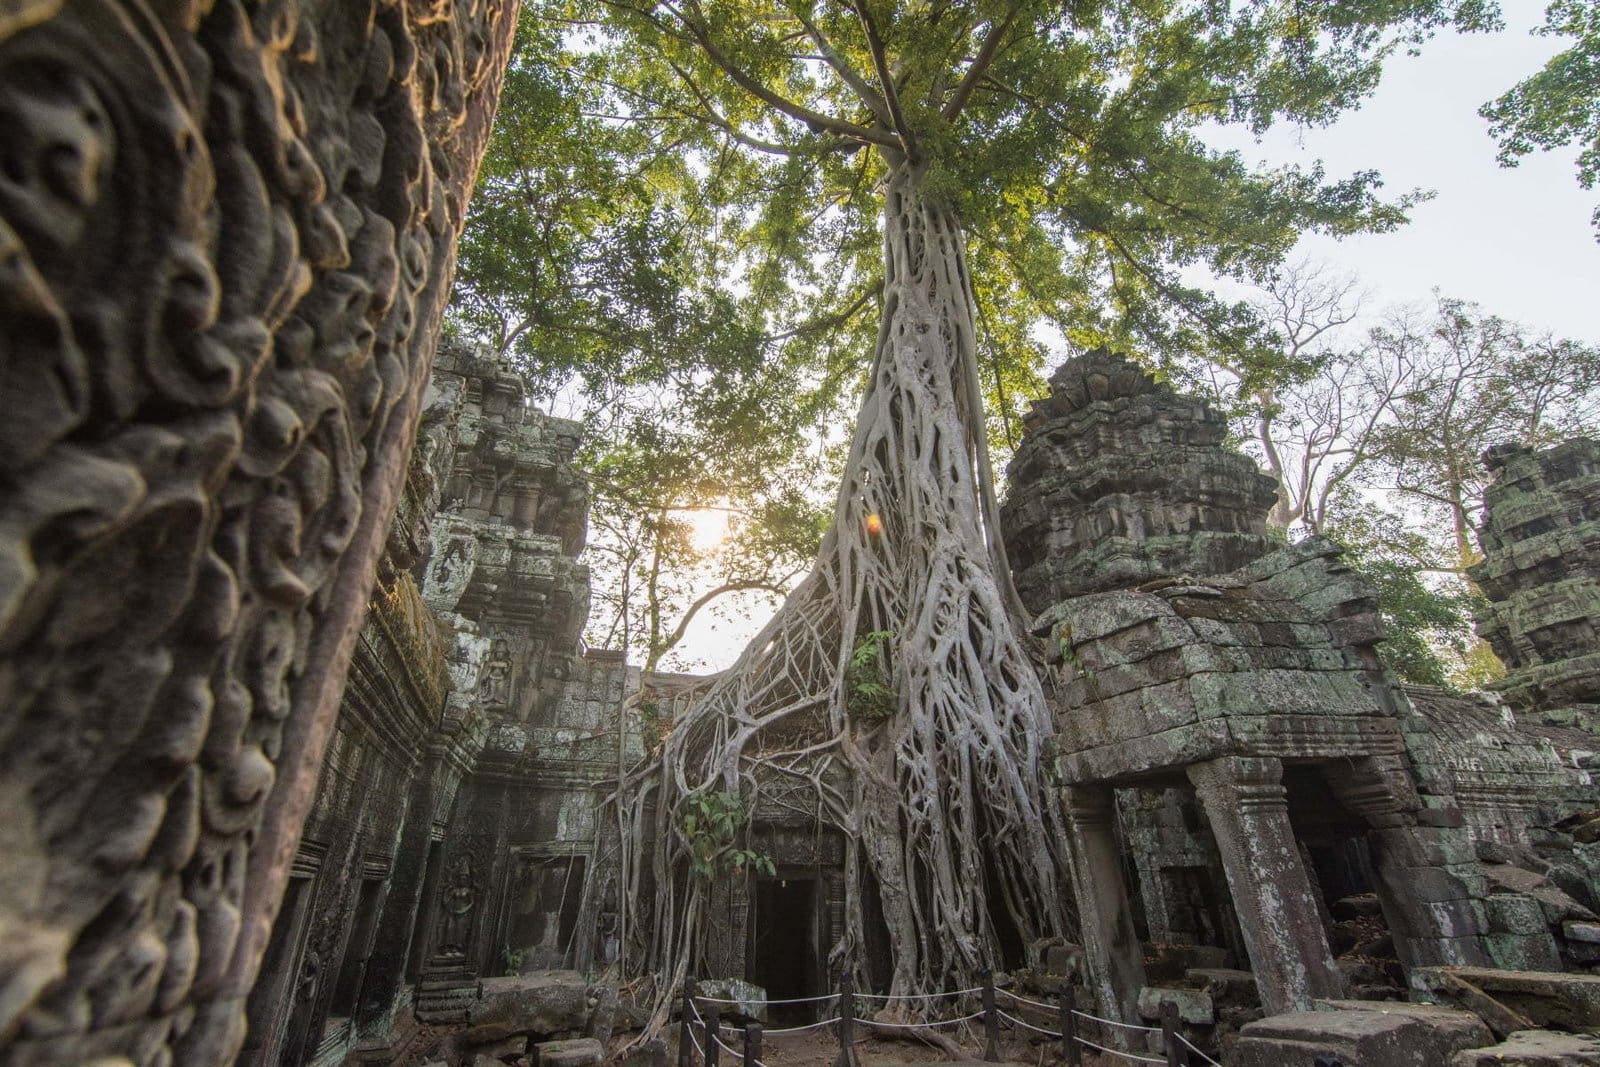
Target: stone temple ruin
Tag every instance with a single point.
(303, 759)
(1264, 824)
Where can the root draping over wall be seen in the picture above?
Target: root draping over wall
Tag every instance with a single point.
(944, 798)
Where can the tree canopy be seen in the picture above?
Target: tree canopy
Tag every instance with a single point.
(1560, 104)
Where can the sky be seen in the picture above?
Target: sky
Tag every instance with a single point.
(1515, 240)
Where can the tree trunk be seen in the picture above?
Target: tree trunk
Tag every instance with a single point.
(947, 799)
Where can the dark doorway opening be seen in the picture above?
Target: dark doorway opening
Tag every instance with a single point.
(785, 955)
(421, 926)
(358, 949)
(545, 902)
(879, 947)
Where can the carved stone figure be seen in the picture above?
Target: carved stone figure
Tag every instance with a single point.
(229, 230)
(494, 689)
(455, 908)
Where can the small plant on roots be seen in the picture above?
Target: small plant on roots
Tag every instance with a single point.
(868, 697)
(711, 822)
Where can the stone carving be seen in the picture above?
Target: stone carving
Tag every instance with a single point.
(455, 908)
(1119, 479)
(228, 229)
(1541, 576)
(494, 688)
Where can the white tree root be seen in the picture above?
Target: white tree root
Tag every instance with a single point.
(948, 803)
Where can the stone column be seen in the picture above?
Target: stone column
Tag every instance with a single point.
(1247, 807)
(1110, 945)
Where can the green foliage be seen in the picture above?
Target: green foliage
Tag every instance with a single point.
(1068, 652)
(869, 698)
(1068, 138)
(651, 728)
(711, 821)
(1559, 105)
(1428, 622)
(511, 960)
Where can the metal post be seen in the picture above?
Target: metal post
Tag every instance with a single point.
(752, 1044)
(847, 1023)
(713, 1031)
(991, 1020)
(1069, 1027)
(685, 1022)
(1169, 1034)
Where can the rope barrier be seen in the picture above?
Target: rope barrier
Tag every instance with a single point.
(1197, 1052)
(1113, 1022)
(1024, 1023)
(918, 996)
(1117, 1053)
(919, 1026)
(801, 1029)
(1020, 999)
(789, 1000)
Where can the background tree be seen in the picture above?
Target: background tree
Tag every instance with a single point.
(964, 169)
(590, 260)
(1560, 104)
(1375, 440)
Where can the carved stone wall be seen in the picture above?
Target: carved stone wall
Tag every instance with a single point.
(1541, 574)
(1227, 695)
(1119, 479)
(229, 230)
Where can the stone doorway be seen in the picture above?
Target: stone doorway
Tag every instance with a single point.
(546, 897)
(787, 956)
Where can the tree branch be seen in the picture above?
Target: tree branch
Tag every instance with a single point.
(980, 64)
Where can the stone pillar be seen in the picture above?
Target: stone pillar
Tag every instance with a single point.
(1429, 881)
(1110, 945)
(1247, 807)
(229, 233)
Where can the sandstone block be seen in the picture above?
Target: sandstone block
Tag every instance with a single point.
(578, 1052)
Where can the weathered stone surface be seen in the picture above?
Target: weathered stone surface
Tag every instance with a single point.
(1541, 575)
(1559, 1001)
(1194, 1005)
(1119, 480)
(541, 1004)
(735, 996)
(578, 1052)
(1386, 1037)
(230, 229)
(1534, 1048)
(652, 1053)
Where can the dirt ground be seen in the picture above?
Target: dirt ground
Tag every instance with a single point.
(820, 1048)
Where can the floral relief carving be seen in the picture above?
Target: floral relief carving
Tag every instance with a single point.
(226, 235)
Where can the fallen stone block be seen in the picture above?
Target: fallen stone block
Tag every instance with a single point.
(1226, 985)
(735, 997)
(1359, 1038)
(578, 1052)
(1534, 1048)
(652, 1053)
(1550, 1000)
(545, 1004)
(1194, 1006)
(505, 1050)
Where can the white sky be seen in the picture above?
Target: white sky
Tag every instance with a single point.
(1517, 241)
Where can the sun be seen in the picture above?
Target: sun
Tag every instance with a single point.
(709, 528)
